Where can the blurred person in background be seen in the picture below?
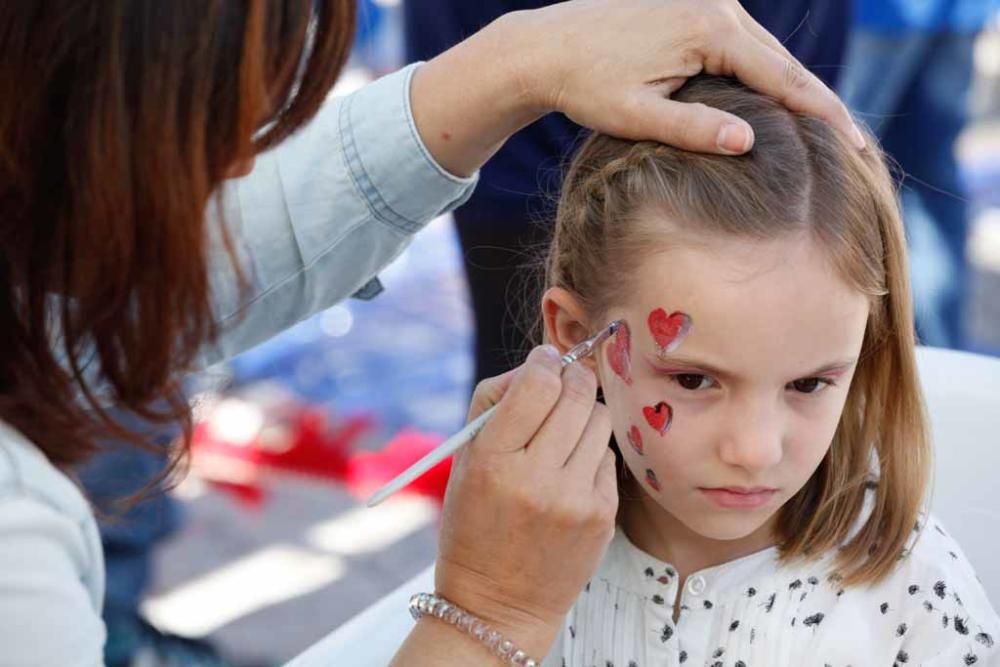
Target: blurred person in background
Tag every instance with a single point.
(498, 227)
(129, 539)
(908, 71)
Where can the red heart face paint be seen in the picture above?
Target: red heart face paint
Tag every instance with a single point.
(635, 439)
(651, 479)
(619, 353)
(669, 331)
(659, 416)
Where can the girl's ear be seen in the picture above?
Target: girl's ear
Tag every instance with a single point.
(566, 323)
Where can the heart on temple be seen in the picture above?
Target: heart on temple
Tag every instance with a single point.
(668, 331)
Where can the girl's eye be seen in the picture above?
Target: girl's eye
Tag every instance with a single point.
(693, 381)
(810, 385)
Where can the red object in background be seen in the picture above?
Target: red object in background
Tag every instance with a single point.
(369, 471)
(242, 442)
(317, 449)
(247, 494)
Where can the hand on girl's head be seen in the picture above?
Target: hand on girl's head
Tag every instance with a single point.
(638, 55)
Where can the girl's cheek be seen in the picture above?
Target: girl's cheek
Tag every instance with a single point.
(645, 422)
(645, 415)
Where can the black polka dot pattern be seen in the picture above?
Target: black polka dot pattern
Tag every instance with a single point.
(720, 620)
(813, 620)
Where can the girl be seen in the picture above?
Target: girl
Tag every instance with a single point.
(774, 450)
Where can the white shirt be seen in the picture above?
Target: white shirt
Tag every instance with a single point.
(313, 223)
(755, 612)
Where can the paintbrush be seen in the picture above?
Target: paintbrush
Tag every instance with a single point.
(472, 429)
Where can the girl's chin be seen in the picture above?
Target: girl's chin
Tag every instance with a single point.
(726, 528)
(729, 533)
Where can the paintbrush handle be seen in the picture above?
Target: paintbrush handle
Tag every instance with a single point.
(432, 458)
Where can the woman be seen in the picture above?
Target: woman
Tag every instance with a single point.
(121, 120)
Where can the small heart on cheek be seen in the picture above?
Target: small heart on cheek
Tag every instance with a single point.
(619, 353)
(635, 439)
(669, 331)
(659, 417)
(651, 479)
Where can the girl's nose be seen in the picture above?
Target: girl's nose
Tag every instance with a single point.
(753, 437)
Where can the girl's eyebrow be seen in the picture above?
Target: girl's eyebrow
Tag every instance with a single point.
(835, 367)
(680, 362)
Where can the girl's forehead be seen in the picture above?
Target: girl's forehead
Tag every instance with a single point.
(765, 300)
(715, 269)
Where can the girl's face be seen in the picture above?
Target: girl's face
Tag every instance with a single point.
(723, 424)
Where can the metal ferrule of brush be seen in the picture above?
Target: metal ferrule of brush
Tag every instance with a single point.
(585, 347)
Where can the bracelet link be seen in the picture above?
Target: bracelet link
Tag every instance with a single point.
(428, 604)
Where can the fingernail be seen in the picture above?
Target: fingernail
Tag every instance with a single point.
(859, 138)
(735, 139)
(550, 351)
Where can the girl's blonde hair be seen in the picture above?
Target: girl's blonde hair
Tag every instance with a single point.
(800, 177)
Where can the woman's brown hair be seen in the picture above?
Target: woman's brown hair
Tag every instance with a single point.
(120, 119)
(801, 176)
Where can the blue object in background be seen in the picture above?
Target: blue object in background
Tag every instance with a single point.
(912, 88)
(370, 16)
(897, 16)
(119, 471)
(403, 357)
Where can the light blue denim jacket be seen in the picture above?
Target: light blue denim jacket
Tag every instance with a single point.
(313, 224)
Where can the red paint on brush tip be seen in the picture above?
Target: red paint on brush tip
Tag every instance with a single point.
(619, 353)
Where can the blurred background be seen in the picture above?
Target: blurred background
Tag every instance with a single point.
(265, 547)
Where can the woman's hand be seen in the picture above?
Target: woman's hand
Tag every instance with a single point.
(609, 65)
(612, 64)
(531, 503)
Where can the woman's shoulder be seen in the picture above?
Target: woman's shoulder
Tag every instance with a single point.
(26, 473)
(51, 566)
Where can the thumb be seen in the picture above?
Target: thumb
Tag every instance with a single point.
(489, 392)
(689, 126)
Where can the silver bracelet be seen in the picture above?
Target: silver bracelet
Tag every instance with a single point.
(428, 604)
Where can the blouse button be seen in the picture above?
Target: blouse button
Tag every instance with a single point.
(696, 585)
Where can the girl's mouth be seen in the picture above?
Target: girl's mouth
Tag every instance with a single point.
(738, 497)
